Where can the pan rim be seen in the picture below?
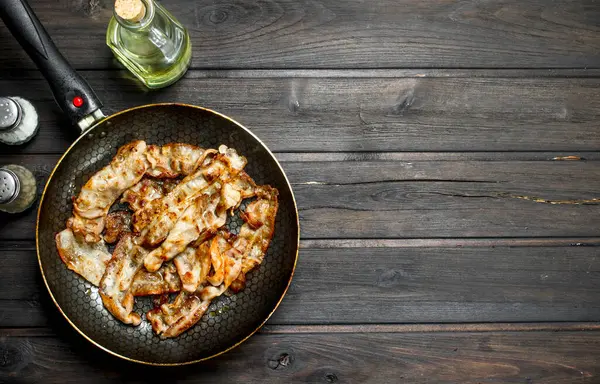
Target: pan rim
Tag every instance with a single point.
(37, 227)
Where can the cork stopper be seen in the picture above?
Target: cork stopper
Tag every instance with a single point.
(130, 10)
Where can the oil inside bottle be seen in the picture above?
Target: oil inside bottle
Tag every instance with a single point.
(156, 49)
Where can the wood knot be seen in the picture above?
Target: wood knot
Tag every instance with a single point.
(14, 355)
(390, 278)
(403, 103)
(282, 361)
(218, 16)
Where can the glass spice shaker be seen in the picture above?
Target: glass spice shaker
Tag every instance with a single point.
(149, 42)
(17, 188)
(18, 120)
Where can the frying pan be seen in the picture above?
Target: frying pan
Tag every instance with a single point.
(230, 319)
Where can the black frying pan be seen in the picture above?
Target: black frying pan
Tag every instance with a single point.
(229, 320)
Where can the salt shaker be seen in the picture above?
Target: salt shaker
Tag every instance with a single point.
(17, 188)
(18, 120)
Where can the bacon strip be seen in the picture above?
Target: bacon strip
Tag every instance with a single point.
(174, 159)
(256, 233)
(193, 266)
(86, 259)
(105, 187)
(115, 286)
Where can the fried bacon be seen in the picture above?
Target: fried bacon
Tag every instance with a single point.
(155, 222)
(115, 286)
(118, 223)
(200, 217)
(256, 233)
(193, 265)
(182, 219)
(141, 194)
(174, 159)
(172, 319)
(86, 259)
(164, 281)
(87, 229)
(105, 187)
(239, 284)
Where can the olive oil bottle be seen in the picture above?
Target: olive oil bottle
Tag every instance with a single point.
(149, 42)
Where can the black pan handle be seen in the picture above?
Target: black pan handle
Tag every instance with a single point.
(72, 93)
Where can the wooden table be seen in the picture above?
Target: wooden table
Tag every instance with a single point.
(444, 155)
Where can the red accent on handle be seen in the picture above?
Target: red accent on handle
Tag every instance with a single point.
(77, 101)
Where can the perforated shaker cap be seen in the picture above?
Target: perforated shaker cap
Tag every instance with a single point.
(9, 186)
(10, 114)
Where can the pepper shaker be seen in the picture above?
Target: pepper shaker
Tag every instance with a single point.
(18, 120)
(17, 188)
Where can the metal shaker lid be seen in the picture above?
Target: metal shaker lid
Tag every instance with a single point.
(10, 113)
(9, 186)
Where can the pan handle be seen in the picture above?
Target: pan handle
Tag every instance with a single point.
(72, 93)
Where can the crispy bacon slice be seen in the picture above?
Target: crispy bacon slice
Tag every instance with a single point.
(118, 223)
(193, 266)
(141, 194)
(256, 233)
(174, 159)
(172, 319)
(115, 286)
(105, 187)
(156, 221)
(218, 247)
(164, 281)
(87, 229)
(198, 218)
(239, 284)
(86, 259)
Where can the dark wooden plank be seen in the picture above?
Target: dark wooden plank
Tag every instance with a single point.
(419, 199)
(530, 357)
(389, 285)
(270, 329)
(358, 114)
(345, 34)
(445, 242)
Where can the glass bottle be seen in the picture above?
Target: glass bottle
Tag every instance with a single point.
(17, 188)
(153, 45)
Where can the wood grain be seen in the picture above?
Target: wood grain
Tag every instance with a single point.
(417, 199)
(357, 114)
(344, 34)
(536, 357)
(389, 285)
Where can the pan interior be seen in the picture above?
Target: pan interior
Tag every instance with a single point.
(229, 319)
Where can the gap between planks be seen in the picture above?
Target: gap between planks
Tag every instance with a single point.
(302, 157)
(375, 328)
(555, 156)
(28, 245)
(397, 73)
(199, 72)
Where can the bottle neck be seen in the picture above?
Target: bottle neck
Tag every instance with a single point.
(141, 24)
